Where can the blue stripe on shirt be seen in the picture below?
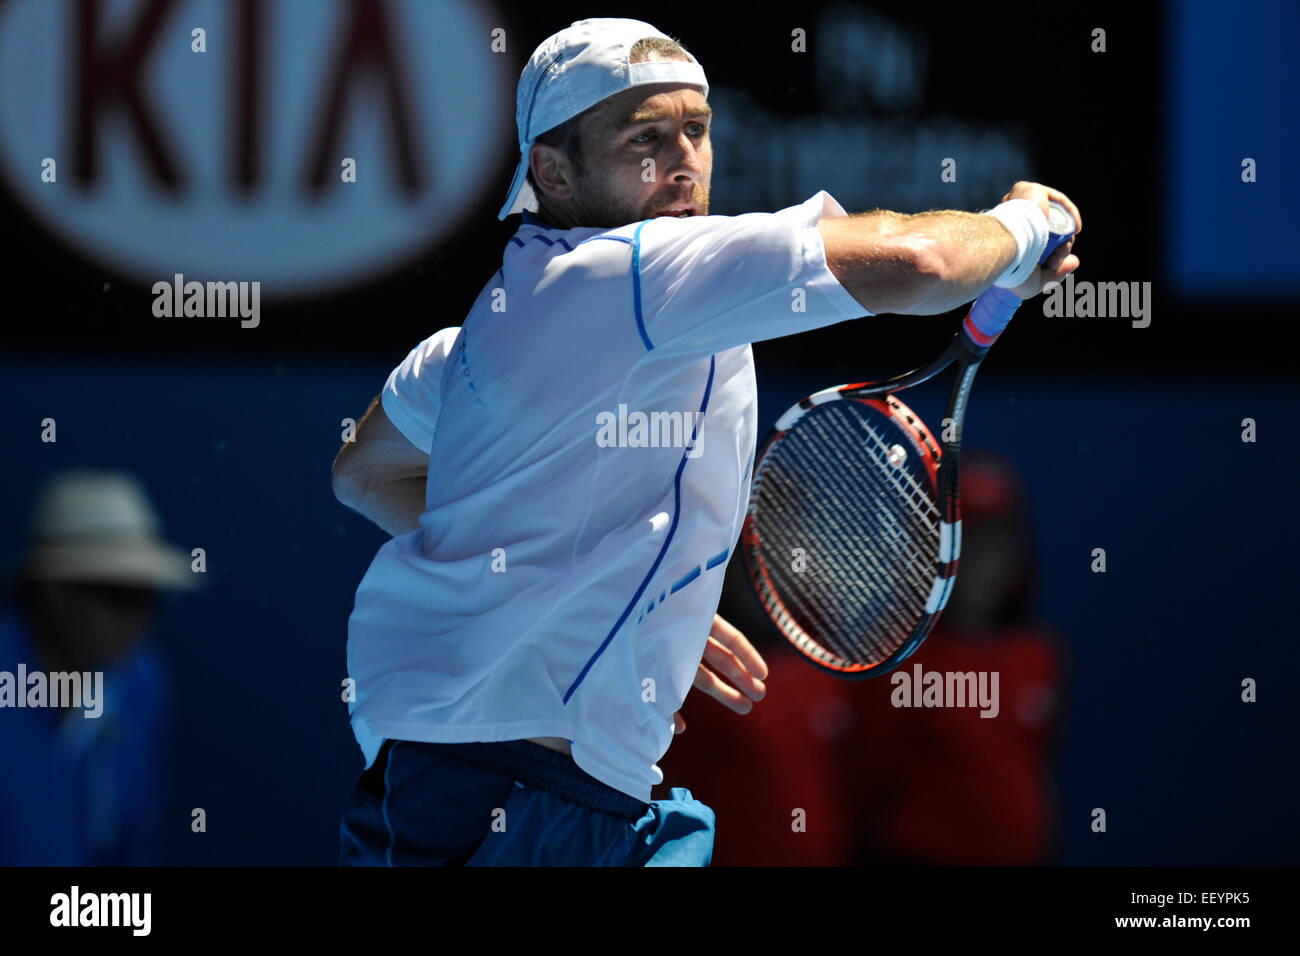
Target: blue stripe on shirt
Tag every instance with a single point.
(636, 287)
(677, 508)
(685, 579)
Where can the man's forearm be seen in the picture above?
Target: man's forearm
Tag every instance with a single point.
(395, 506)
(380, 474)
(921, 264)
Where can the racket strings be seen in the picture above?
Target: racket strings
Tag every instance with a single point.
(888, 482)
(903, 563)
(869, 530)
(854, 627)
(904, 482)
(879, 525)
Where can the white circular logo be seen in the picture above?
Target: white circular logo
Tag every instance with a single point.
(302, 143)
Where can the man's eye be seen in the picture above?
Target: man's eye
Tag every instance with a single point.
(647, 136)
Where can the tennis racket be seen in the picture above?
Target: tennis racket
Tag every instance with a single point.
(853, 530)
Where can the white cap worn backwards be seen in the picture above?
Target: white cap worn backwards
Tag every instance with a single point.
(575, 69)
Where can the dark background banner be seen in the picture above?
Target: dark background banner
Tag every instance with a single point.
(1148, 137)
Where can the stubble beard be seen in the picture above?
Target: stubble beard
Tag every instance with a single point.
(604, 209)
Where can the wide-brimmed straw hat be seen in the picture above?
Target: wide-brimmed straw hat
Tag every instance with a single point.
(99, 527)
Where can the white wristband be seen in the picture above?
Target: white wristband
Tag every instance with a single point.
(1027, 224)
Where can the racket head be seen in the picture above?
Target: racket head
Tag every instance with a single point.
(854, 482)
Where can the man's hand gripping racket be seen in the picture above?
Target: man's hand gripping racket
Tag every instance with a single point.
(853, 531)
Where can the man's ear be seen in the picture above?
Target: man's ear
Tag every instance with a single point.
(551, 171)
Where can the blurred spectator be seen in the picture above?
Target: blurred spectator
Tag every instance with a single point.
(879, 783)
(770, 775)
(84, 790)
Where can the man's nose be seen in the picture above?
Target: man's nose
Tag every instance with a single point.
(684, 159)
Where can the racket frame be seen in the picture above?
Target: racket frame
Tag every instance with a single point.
(942, 459)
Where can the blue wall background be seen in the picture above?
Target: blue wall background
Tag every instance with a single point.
(1227, 240)
(1197, 596)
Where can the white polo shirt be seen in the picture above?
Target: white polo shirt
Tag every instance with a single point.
(591, 433)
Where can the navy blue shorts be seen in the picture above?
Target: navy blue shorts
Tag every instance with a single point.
(513, 803)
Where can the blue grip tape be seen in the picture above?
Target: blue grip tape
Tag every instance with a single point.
(990, 315)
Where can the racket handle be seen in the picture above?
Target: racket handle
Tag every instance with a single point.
(994, 309)
(988, 317)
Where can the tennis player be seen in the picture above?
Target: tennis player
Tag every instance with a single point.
(566, 474)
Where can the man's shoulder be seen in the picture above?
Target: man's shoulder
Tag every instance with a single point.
(570, 254)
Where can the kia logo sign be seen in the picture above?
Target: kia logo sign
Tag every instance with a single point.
(230, 163)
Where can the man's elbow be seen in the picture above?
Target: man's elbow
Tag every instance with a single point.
(348, 490)
(911, 279)
(934, 276)
(930, 267)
